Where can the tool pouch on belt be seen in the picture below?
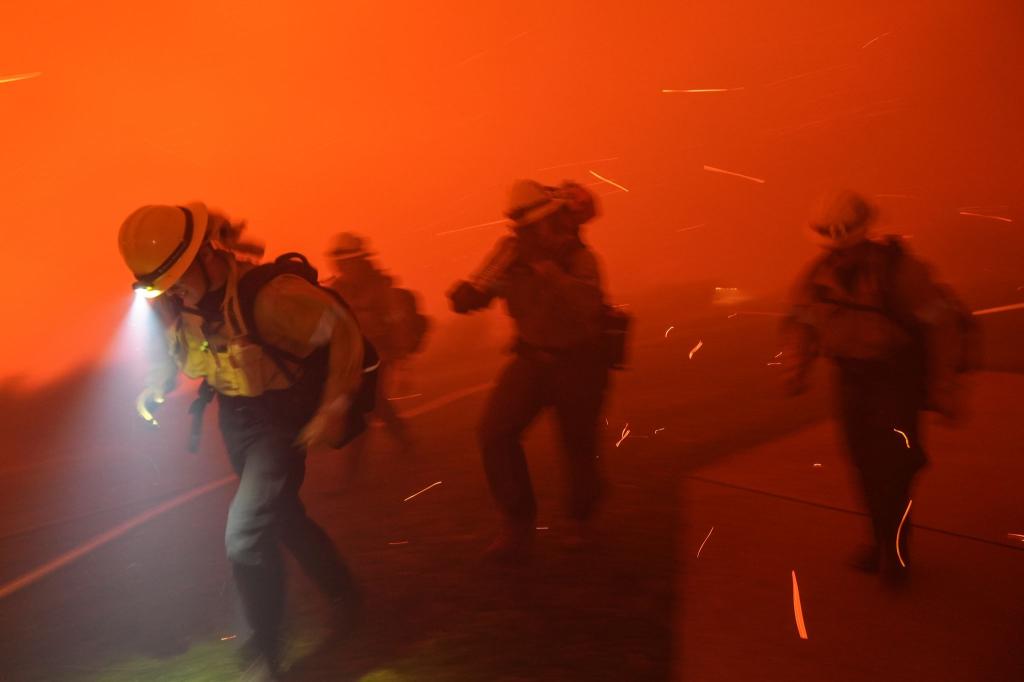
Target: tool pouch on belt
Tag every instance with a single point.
(196, 409)
(615, 326)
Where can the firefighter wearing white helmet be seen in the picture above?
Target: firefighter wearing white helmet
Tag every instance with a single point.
(893, 334)
(285, 360)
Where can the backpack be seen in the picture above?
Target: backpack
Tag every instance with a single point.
(410, 325)
(315, 366)
(968, 331)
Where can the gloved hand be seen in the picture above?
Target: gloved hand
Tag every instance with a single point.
(147, 403)
(327, 427)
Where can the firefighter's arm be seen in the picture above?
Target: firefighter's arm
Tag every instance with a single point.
(579, 287)
(161, 376)
(936, 311)
(800, 345)
(298, 318)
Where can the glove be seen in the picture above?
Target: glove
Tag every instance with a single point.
(327, 427)
(147, 403)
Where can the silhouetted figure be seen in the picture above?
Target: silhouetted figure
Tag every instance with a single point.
(389, 317)
(285, 360)
(895, 337)
(552, 287)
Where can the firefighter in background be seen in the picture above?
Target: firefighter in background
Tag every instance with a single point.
(893, 334)
(389, 318)
(276, 398)
(552, 287)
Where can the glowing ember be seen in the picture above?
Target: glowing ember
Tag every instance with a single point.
(472, 227)
(706, 538)
(422, 491)
(693, 351)
(701, 90)
(406, 397)
(738, 175)
(692, 227)
(625, 434)
(228, 638)
(604, 179)
(20, 77)
(659, 429)
(874, 40)
(1000, 309)
(905, 439)
(972, 214)
(543, 528)
(798, 611)
(817, 465)
(668, 330)
(1016, 536)
(399, 542)
(899, 530)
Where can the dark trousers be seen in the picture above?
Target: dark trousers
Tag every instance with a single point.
(877, 402)
(267, 512)
(574, 384)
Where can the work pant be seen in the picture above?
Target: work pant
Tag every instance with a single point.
(574, 384)
(879, 412)
(267, 512)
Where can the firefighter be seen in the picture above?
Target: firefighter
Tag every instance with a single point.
(892, 333)
(552, 287)
(389, 318)
(276, 398)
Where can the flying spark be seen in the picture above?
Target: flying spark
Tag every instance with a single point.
(905, 439)
(696, 348)
(798, 611)
(708, 537)
(472, 227)
(700, 90)
(228, 638)
(817, 465)
(604, 179)
(1000, 309)
(399, 542)
(625, 434)
(899, 530)
(577, 163)
(738, 175)
(1016, 536)
(659, 429)
(875, 39)
(20, 77)
(422, 491)
(692, 227)
(543, 528)
(406, 397)
(985, 215)
(668, 330)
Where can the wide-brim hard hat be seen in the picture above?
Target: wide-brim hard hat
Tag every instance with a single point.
(839, 219)
(346, 246)
(530, 201)
(159, 243)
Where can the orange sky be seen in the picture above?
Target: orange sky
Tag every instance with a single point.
(403, 120)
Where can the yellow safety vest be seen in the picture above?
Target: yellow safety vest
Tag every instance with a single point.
(228, 359)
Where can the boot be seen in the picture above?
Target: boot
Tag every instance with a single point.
(513, 544)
